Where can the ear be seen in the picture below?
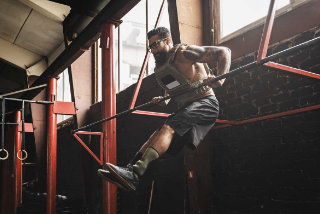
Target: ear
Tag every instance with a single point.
(168, 40)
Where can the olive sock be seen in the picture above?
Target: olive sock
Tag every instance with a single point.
(141, 165)
(136, 157)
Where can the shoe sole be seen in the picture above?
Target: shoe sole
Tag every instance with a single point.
(123, 181)
(112, 181)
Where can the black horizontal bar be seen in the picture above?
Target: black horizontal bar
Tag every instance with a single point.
(230, 74)
(9, 124)
(23, 90)
(28, 101)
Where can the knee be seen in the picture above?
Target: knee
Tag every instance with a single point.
(167, 129)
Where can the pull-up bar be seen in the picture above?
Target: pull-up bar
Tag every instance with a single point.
(27, 101)
(230, 74)
(23, 90)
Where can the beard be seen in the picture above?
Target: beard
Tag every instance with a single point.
(160, 58)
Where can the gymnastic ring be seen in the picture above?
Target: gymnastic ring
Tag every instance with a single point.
(7, 154)
(22, 152)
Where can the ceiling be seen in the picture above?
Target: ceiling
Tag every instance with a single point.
(32, 35)
(31, 32)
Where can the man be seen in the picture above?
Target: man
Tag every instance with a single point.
(178, 68)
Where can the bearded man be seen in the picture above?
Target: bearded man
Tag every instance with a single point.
(178, 68)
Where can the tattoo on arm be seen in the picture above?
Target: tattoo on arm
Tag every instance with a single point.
(221, 56)
(194, 53)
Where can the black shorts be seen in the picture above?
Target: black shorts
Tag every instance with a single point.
(192, 122)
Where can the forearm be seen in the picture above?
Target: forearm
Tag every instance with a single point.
(224, 62)
(168, 100)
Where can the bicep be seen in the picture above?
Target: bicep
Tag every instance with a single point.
(202, 54)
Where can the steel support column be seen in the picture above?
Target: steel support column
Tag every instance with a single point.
(18, 165)
(51, 148)
(109, 192)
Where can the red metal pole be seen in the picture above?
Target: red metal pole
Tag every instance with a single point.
(18, 165)
(291, 69)
(51, 149)
(271, 116)
(157, 114)
(264, 43)
(109, 191)
(144, 65)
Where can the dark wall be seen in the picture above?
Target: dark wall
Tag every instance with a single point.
(271, 166)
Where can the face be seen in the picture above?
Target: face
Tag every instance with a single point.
(159, 48)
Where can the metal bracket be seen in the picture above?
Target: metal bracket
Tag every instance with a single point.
(64, 108)
(99, 160)
(115, 22)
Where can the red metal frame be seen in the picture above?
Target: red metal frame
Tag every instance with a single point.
(291, 69)
(17, 162)
(226, 122)
(100, 159)
(271, 116)
(51, 148)
(266, 32)
(64, 108)
(157, 114)
(109, 191)
(144, 65)
(28, 127)
(262, 54)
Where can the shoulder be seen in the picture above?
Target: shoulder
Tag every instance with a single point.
(183, 47)
(180, 52)
(180, 48)
(190, 53)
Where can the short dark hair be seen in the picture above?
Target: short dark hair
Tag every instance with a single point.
(162, 32)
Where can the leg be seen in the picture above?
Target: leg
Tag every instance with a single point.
(159, 140)
(203, 112)
(143, 148)
(149, 141)
(162, 140)
(128, 177)
(159, 144)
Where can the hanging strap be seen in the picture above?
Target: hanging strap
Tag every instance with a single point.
(24, 153)
(3, 150)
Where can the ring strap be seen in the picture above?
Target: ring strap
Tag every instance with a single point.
(6, 156)
(22, 152)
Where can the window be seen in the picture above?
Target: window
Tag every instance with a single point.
(237, 17)
(131, 41)
(130, 44)
(63, 92)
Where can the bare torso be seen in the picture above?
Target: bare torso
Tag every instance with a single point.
(192, 71)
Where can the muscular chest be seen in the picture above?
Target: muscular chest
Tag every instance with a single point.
(193, 72)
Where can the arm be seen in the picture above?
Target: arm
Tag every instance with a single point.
(164, 103)
(208, 54)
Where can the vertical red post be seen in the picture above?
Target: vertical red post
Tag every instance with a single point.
(18, 164)
(109, 192)
(264, 43)
(51, 149)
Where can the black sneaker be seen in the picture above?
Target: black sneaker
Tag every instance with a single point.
(124, 175)
(106, 175)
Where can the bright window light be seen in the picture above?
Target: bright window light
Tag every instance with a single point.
(237, 14)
